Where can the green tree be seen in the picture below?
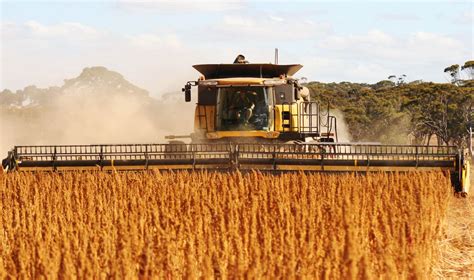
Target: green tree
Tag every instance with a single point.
(468, 68)
(453, 72)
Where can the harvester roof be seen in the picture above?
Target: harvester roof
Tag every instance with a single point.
(267, 70)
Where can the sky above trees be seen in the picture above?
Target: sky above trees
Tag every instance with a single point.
(154, 44)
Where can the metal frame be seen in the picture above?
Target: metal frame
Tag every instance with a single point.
(318, 120)
(321, 156)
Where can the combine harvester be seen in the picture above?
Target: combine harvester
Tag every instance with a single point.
(249, 117)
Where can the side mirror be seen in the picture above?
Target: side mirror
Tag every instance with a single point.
(187, 92)
(187, 95)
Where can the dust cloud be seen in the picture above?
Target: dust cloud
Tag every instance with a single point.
(84, 118)
(95, 119)
(343, 133)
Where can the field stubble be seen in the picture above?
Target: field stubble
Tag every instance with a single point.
(127, 225)
(456, 247)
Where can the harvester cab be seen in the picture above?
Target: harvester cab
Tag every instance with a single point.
(242, 102)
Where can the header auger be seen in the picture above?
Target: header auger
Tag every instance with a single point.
(249, 117)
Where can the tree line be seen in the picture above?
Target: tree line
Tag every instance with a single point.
(396, 111)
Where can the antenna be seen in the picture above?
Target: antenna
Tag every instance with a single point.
(276, 55)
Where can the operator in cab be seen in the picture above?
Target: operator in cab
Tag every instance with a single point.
(242, 106)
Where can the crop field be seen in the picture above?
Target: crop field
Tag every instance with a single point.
(456, 247)
(215, 225)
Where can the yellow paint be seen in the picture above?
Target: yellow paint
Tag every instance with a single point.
(277, 126)
(112, 164)
(466, 182)
(244, 133)
(240, 81)
(204, 118)
(292, 122)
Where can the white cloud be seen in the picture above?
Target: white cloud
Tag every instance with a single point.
(276, 18)
(398, 17)
(62, 50)
(376, 44)
(264, 26)
(71, 30)
(466, 17)
(374, 55)
(183, 5)
(154, 41)
(345, 42)
(239, 22)
(334, 69)
(160, 60)
(435, 42)
(7, 27)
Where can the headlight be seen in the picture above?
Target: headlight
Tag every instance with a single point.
(273, 82)
(208, 83)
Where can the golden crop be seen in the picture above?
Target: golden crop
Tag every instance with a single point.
(175, 225)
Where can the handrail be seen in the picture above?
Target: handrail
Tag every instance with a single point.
(149, 152)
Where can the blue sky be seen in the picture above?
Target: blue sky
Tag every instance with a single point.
(153, 44)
